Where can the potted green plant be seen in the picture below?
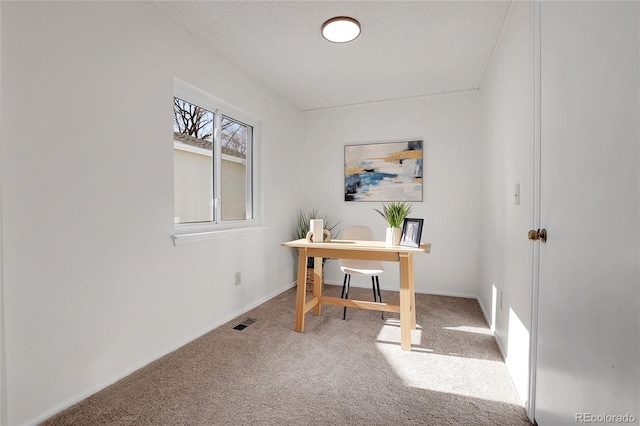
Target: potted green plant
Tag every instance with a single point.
(302, 227)
(394, 213)
(304, 218)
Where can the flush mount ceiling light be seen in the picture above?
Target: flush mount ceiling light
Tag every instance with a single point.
(341, 29)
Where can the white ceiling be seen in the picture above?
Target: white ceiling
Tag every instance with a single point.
(406, 48)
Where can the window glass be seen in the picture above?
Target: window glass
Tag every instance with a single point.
(235, 167)
(213, 163)
(192, 163)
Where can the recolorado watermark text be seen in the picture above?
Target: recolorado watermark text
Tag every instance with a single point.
(606, 418)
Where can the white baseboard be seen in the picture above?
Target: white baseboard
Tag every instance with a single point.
(83, 395)
(216, 324)
(492, 327)
(484, 312)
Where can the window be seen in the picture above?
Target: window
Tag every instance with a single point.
(213, 163)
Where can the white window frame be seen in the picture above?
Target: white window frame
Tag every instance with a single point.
(220, 108)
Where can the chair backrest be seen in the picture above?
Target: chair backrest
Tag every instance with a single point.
(359, 267)
(358, 232)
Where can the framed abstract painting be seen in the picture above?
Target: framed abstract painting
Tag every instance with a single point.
(388, 171)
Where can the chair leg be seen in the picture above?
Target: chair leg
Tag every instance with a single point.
(347, 280)
(373, 287)
(379, 295)
(344, 285)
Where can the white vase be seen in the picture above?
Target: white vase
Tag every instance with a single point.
(316, 227)
(393, 236)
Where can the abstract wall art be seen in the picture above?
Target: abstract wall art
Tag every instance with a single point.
(389, 171)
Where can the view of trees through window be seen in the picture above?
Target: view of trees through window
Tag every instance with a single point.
(234, 135)
(197, 122)
(192, 120)
(196, 170)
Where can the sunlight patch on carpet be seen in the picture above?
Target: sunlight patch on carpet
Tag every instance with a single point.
(448, 371)
(390, 333)
(445, 373)
(479, 330)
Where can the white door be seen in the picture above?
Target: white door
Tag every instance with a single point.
(588, 353)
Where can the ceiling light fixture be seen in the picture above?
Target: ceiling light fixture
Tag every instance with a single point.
(341, 29)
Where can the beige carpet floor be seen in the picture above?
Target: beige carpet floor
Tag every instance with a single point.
(336, 373)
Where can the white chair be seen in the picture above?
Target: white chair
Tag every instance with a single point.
(372, 268)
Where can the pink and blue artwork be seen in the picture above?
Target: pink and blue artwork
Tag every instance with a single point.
(389, 171)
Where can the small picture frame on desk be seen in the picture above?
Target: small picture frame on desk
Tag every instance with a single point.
(411, 232)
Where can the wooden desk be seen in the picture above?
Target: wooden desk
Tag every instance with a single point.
(364, 250)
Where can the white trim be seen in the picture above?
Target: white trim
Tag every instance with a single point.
(535, 250)
(251, 177)
(3, 369)
(493, 332)
(216, 171)
(83, 395)
(486, 316)
(193, 237)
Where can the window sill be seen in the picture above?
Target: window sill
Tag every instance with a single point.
(194, 237)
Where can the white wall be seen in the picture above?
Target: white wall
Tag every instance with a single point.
(449, 127)
(507, 118)
(93, 287)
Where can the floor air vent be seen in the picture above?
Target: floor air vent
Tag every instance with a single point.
(244, 324)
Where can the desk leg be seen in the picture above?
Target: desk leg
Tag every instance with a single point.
(412, 292)
(301, 290)
(405, 301)
(317, 283)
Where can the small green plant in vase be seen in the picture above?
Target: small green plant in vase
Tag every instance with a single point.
(394, 213)
(301, 229)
